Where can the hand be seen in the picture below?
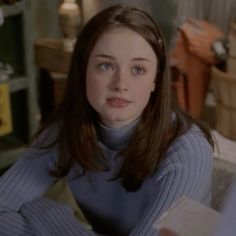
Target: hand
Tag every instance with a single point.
(167, 232)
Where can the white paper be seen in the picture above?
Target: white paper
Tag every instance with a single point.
(188, 217)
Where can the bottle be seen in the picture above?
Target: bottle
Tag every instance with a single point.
(70, 20)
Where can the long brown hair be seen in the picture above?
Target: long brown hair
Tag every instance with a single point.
(76, 120)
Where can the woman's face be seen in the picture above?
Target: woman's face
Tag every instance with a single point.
(120, 76)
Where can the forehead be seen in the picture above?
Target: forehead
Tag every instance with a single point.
(123, 40)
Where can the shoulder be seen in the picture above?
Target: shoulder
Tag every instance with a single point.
(44, 149)
(191, 150)
(46, 137)
(186, 169)
(192, 142)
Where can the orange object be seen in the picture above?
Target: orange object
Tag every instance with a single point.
(179, 87)
(193, 56)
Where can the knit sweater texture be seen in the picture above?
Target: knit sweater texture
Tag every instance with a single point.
(111, 210)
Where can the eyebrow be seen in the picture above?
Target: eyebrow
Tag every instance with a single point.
(113, 58)
(105, 56)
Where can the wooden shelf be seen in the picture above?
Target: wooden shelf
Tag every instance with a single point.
(50, 55)
(16, 84)
(17, 43)
(14, 9)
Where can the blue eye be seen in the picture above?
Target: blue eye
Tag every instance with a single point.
(105, 66)
(138, 70)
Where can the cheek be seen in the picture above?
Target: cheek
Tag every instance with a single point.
(146, 96)
(95, 90)
(142, 97)
(143, 92)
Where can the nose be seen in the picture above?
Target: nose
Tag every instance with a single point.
(120, 81)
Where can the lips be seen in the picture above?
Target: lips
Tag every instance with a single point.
(118, 102)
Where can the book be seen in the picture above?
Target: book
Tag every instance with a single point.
(5, 110)
(187, 217)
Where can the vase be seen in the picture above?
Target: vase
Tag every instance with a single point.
(70, 21)
(89, 9)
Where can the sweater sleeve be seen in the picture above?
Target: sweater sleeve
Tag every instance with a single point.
(23, 212)
(27, 179)
(186, 171)
(51, 218)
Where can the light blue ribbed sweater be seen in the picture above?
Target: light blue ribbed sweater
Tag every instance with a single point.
(186, 171)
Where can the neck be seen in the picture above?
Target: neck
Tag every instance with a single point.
(116, 138)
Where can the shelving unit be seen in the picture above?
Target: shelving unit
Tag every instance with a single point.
(11, 10)
(16, 84)
(17, 50)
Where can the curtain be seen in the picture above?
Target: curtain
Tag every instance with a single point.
(219, 12)
(222, 13)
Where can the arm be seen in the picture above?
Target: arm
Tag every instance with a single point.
(25, 180)
(14, 224)
(51, 218)
(22, 209)
(186, 171)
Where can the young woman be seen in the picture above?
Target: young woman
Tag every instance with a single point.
(124, 154)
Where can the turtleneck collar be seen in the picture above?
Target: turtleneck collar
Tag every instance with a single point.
(116, 138)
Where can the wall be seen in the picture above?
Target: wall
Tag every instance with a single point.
(218, 12)
(169, 13)
(45, 19)
(165, 13)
